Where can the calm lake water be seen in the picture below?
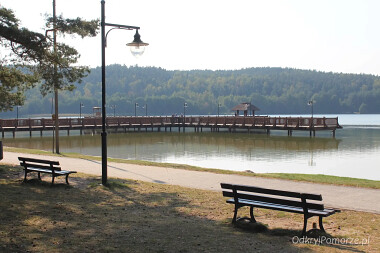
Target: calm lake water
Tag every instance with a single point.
(355, 152)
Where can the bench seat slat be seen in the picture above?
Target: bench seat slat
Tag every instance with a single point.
(279, 207)
(33, 165)
(271, 191)
(58, 172)
(281, 201)
(34, 160)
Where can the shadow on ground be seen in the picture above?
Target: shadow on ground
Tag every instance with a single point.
(126, 216)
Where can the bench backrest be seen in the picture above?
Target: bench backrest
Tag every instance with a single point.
(288, 198)
(39, 163)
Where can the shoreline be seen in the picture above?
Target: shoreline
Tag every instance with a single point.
(341, 197)
(309, 178)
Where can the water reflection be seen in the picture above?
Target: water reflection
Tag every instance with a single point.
(164, 144)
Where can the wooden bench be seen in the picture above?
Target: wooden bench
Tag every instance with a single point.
(294, 202)
(43, 166)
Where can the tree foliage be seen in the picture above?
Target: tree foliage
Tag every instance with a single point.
(30, 57)
(64, 58)
(19, 47)
(273, 90)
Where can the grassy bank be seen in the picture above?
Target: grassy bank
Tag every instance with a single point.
(321, 179)
(134, 216)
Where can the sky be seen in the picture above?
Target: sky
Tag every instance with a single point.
(323, 35)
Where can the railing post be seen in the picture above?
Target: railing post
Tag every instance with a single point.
(1, 151)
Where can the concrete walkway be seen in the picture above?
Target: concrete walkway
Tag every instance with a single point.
(360, 199)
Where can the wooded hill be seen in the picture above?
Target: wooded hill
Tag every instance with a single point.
(273, 90)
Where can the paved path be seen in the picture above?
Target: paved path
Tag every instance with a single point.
(351, 198)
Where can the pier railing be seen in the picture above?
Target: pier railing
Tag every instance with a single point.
(263, 121)
(215, 123)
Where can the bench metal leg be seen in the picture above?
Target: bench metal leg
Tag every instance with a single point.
(25, 175)
(67, 179)
(304, 225)
(235, 214)
(321, 225)
(52, 179)
(39, 176)
(251, 213)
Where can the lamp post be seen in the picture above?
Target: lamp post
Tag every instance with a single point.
(311, 102)
(17, 108)
(137, 48)
(184, 111)
(114, 110)
(136, 105)
(17, 114)
(219, 105)
(146, 109)
(81, 105)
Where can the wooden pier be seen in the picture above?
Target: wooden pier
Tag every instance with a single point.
(169, 123)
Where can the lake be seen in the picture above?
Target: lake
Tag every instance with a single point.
(355, 152)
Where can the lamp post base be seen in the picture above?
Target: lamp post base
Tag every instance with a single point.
(104, 158)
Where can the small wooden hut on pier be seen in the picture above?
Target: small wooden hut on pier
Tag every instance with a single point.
(247, 108)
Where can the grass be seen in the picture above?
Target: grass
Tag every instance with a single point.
(321, 179)
(134, 216)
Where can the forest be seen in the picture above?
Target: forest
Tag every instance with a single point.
(164, 92)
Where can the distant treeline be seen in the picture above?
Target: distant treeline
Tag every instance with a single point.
(273, 90)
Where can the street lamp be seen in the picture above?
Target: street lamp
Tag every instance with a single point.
(136, 105)
(184, 109)
(311, 102)
(146, 109)
(114, 110)
(137, 48)
(81, 105)
(17, 113)
(219, 105)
